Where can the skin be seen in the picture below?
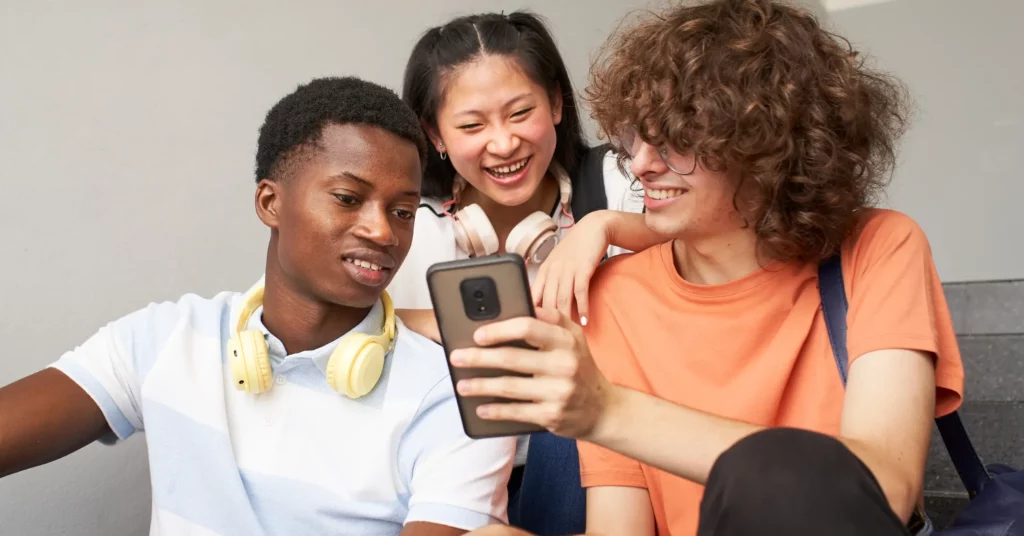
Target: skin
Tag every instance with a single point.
(493, 114)
(317, 214)
(887, 411)
(345, 200)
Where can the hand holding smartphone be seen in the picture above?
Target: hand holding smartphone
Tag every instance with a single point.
(470, 293)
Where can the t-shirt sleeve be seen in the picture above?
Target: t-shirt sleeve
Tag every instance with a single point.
(897, 300)
(110, 363)
(600, 466)
(453, 480)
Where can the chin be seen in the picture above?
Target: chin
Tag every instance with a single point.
(359, 298)
(665, 224)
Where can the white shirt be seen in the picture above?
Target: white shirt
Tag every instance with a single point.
(434, 241)
(299, 458)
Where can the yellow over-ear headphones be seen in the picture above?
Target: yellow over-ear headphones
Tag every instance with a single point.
(353, 369)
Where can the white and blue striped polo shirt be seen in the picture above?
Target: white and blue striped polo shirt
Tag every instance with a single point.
(299, 458)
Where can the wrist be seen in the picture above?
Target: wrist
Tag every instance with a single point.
(611, 415)
(602, 219)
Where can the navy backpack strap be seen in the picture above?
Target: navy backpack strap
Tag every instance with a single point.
(588, 192)
(834, 306)
(965, 459)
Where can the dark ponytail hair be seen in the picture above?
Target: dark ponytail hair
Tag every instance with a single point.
(519, 35)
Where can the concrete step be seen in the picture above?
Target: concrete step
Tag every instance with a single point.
(981, 307)
(993, 367)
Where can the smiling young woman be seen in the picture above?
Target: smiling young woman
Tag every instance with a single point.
(508, 168)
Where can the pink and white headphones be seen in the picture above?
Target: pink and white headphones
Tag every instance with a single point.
(533, 238)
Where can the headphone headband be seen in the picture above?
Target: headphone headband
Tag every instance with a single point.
(564, 182)
(251, 300)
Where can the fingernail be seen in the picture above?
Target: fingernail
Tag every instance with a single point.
(463, 387)
(583, 321)
(484, 411)
(457, 357)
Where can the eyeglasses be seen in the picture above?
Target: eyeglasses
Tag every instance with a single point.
(628, 138)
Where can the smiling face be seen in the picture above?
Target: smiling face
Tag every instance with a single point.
(498, 128)
(688, 206)
(342, 213)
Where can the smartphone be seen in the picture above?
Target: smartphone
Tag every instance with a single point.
(470, 293)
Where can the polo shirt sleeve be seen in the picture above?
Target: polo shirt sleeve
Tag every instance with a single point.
(453, 480)
(110, 364)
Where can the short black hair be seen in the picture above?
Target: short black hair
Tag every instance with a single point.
(298, 119)
(521, 35)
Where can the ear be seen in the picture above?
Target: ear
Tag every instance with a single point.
(268, 202)
(435, 137)
(556, 105)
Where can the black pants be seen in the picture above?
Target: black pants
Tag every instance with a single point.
(794, 482)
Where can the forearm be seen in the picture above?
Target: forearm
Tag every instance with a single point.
(627, 230)
(686, 442)
(673, 438)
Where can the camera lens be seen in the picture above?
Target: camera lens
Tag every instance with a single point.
(478, 294)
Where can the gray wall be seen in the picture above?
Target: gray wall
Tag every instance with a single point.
(960, 173)
(127, 133)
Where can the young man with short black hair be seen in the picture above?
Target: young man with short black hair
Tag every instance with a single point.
(302, 406)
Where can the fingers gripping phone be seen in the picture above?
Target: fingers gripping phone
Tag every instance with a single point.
(470, 293)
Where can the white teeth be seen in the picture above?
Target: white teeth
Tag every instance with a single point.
(364, 264)
(663, 194)
(504, 170)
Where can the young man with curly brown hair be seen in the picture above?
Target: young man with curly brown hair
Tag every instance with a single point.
(702, 384)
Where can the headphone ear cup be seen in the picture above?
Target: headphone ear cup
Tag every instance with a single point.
(250, 365)
(474, 233)
(533, 238)
(356, 364)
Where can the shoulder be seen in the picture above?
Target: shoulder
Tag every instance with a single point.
(430, 219)
(623, 270)
(433, 241)
(881, 234)
(883, 222)
(158, 320)
(135, 341)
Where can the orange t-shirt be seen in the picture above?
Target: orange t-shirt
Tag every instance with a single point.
(756, 349)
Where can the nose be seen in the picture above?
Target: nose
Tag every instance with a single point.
(503, 142)
(646, 162)
(375, 226)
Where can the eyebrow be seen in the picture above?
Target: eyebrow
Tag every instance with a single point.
(352, 176)
(508, 103)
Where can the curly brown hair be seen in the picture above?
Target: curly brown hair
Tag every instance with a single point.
(761, 87)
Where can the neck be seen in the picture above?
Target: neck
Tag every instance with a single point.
(718, 259)
(295, 316)
(504, 217)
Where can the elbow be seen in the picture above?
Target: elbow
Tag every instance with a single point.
(903, 492)
(902, 486)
